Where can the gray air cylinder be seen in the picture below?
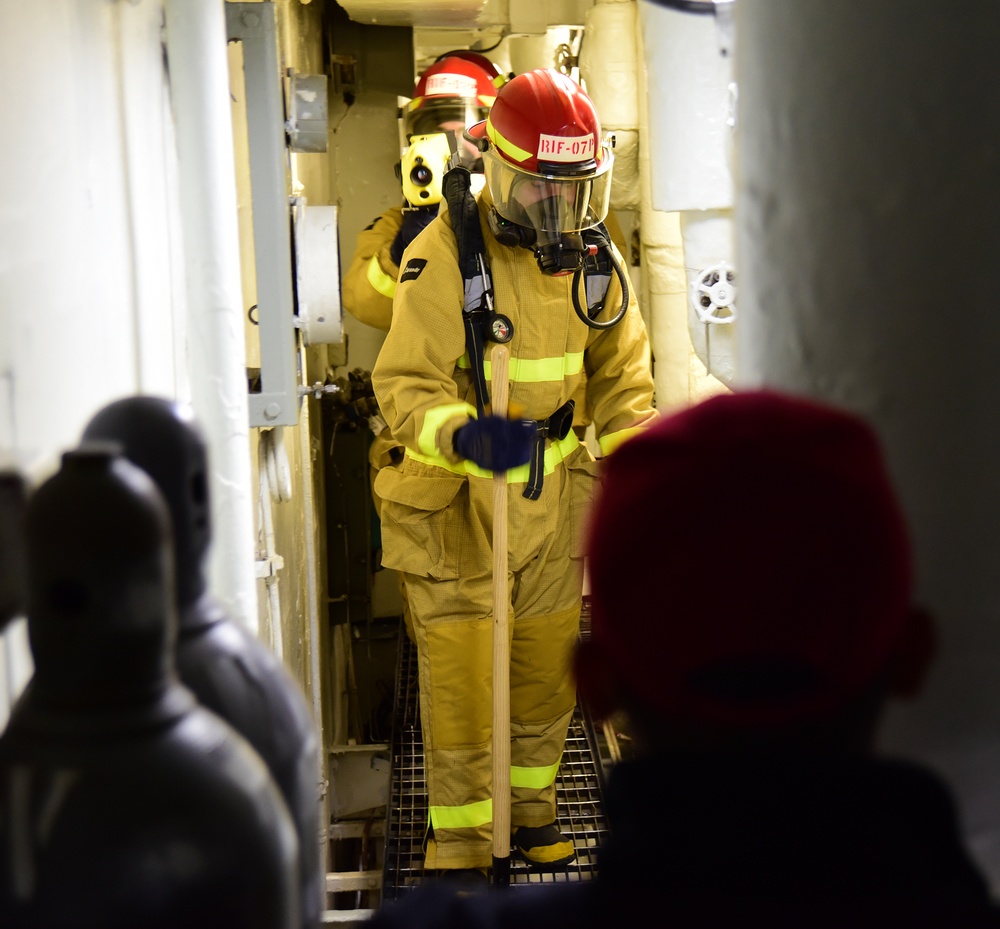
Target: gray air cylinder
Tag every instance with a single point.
(122, 802)
(229, 670)
(13, 502)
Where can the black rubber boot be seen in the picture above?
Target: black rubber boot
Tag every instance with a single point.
(544, 846)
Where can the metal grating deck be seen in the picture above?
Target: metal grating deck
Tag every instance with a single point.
(579, 786)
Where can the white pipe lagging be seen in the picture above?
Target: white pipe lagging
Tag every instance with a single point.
(200, 97)
(313, 549)
(269, 558)
(610, 68)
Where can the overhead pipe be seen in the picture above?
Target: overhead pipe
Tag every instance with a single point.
(199, 91)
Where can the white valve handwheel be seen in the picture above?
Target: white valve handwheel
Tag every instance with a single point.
(713, 294)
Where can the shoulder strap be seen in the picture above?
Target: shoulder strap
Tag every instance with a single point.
(478, 286)
(597, 267)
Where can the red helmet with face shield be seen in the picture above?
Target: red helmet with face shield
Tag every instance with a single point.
(477, 58)
(546, 164)
(452, 93)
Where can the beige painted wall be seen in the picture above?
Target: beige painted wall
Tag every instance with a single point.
(298, 535)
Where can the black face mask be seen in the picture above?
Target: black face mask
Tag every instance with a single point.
(561, 256)
(557, 253)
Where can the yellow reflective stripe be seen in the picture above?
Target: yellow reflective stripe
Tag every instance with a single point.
(534, 778)
(611, 441)
(535, 370)
(554, 456)
(434, 419)
(384, 283)
(467, 816)
(505, 145)
(439, 461)
(488, 101)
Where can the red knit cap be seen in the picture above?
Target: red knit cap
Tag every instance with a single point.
(749, 561)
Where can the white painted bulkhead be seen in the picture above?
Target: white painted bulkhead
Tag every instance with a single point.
(92, 303)
(122, 271)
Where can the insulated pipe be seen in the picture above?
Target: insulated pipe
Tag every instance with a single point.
(312, 607)
(664, 289)
(270, 555)
(312, 558)
(609, 66)
(868, 147)
(528, 52)
(199, 88)
(689, 75)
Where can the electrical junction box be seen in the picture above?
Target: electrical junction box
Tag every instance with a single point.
(317, 273)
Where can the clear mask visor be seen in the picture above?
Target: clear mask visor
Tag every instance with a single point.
(454, 113)
(550, 204)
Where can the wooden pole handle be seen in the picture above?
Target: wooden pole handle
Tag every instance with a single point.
(501, 643)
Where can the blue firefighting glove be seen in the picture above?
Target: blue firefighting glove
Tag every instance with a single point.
(495, 443)
(414, 222)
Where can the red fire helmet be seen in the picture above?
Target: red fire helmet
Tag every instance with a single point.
(457, 89)
(477, 58)
(542, 141)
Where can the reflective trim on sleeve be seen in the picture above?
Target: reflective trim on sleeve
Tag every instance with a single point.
(384, 283)
(467, 816)
(554, 456)
(535, 370)
(434, 419)
(534, 778)
(611, 441)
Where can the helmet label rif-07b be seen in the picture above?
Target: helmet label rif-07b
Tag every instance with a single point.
(560, 148)
(454, 85)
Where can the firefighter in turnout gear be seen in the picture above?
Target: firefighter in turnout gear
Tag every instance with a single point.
(539, 244)
(452, 94)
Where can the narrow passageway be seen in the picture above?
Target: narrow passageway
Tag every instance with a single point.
(207, 170)
(579, 786)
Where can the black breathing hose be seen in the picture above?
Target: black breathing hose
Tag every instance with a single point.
(585, 316)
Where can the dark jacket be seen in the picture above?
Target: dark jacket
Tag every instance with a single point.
(725, 843)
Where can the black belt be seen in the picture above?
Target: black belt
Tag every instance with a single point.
(557, 426)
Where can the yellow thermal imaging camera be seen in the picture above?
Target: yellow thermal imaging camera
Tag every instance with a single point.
(422, 168)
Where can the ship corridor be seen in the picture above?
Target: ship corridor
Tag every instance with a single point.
(805, 192)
